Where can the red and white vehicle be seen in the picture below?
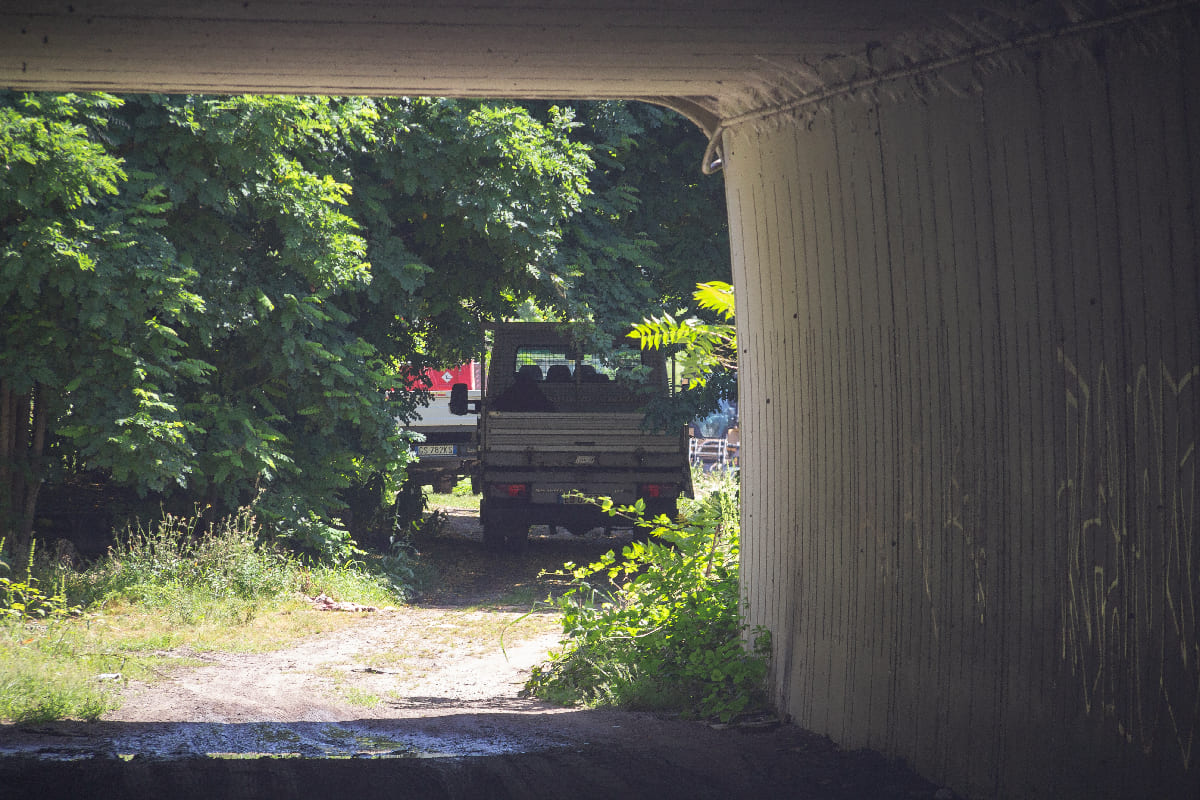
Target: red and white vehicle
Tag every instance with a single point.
(449, 450)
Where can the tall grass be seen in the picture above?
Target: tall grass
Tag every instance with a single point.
(159, 587)
(224, 573)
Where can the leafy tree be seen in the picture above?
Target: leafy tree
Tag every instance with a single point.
(90, 299)
(195, 287)
(463, 205)
(213, 297)
(652, 227)
(293, 405)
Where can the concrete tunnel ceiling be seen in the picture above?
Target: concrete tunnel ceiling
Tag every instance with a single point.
(712, 61)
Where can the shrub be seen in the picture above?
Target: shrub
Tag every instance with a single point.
(319, 541)
(659, 627)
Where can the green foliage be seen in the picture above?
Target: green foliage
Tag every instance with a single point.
(659, 625)
(294, 406)
(226, 572)
(378, 580)
(319, 541)
(464, 205)
(169, 564)
(41, 674)
(80, 272)
(22, 600)
(652, 225)
(45, 675)
(213, 299)
(707, 347)
(90, 301)
(705, 355)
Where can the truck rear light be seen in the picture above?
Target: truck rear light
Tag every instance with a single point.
(511, 490)
(655, 491)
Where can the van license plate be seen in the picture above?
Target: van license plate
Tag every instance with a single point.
(435, 450)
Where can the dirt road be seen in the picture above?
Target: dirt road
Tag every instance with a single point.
(423, 702)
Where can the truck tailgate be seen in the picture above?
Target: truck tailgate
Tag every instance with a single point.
(578, 433)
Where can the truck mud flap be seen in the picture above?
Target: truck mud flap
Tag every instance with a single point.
(504, 530)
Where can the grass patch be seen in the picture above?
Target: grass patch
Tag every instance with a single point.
(357, 697)
(348, 692)
(45, 674)
(364, 582)
(160, 594)
(223, 574)
(460, 498)
(135, 632)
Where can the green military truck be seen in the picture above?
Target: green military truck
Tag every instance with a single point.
(558, 425)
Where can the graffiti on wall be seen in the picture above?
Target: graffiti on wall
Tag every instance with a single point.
(962, 520)
(961, 527)
(1131, 595)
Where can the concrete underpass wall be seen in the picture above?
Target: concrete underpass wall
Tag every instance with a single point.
(969, 309)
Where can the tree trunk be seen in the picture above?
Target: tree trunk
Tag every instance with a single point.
(22, 445)
(7, 462)
(36, 457)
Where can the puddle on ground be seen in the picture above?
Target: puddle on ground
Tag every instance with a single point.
(272, 740)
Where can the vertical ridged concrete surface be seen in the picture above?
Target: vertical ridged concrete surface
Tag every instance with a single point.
(970, 358)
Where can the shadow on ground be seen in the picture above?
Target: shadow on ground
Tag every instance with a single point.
(640, 756)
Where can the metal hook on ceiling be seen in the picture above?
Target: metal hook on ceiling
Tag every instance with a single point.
(714, 153)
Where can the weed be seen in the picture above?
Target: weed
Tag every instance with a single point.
(659, 626)
(21, 600)
(41, 679)
(224, 573)
(42, 673)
